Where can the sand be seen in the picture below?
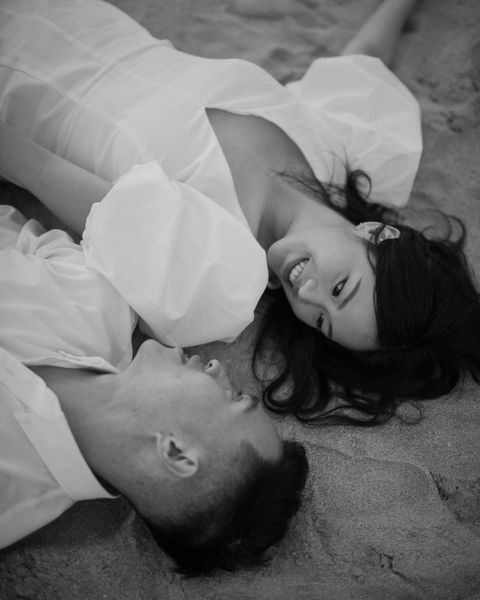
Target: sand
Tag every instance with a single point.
(390, 513)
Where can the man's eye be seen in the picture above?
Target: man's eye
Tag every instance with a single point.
(337, 290)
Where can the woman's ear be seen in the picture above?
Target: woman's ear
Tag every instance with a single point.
(176, 456)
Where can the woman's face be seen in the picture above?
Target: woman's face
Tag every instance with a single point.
(329, 283)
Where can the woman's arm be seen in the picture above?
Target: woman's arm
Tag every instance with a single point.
(66, 189)
(379, 35)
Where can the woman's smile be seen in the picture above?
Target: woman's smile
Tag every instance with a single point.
(297, 270)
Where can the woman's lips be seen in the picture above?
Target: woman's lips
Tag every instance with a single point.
(296, 270)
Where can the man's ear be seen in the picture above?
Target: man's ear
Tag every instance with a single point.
(177, 457)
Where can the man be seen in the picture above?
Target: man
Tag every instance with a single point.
(200, 464)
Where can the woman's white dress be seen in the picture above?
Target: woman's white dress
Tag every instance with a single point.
(82, 79)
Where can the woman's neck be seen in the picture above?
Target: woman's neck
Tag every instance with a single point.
(290, 207)
(257, 153)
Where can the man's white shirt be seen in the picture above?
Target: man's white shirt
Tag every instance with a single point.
(53, 311)
(42, 472)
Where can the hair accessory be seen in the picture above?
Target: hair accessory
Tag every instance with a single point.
(367, 229)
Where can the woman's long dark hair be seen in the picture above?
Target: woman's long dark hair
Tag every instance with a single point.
(428, 320)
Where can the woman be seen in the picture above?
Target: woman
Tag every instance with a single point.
(378, 310)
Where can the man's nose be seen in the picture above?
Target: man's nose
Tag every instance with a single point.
(215, 369)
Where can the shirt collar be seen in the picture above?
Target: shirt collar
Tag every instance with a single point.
(56, 445)
(47, 429)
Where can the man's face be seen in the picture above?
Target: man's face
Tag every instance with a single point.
(199, 400)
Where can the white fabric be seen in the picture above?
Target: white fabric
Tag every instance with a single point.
(174, 295)
(374, 115)
(42, 472)
(53, 309)
(85, 81)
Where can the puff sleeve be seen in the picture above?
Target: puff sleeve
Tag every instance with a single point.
(375, 116)
(191, 271)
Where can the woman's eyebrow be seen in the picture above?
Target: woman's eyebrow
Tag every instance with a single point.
(347, 299)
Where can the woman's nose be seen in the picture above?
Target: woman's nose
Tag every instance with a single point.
(309, 292)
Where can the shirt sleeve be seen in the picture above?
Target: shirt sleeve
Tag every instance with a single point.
(375, 116)
(11, 223)
(53, 309)
(191, 270)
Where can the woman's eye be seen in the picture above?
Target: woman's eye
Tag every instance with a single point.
(319, 322)
(337, 290)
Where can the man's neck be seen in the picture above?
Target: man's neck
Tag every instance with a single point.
(104, 426)
(85, 398)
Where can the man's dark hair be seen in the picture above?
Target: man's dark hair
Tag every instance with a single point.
(241, 519)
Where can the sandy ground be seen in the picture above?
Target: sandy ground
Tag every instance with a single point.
(391, 513)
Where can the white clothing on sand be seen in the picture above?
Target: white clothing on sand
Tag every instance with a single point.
(42, 472)
(90, 84)
(53, 311)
